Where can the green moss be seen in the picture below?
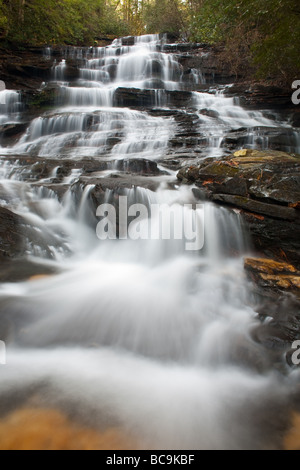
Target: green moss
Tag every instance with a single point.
(44, 100)
(221, 169)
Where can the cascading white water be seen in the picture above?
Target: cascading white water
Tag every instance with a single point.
(138, 333)
(160, 332)
(58, 71)
(220, 114)
(10, 106)
(47, 53)
(159, 321)
(115, 132)
(142, 65)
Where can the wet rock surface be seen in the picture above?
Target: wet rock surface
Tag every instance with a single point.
(11, 235)
(137, 98)
(260, 95)
(24, 69)
(274, 276)
(10, 132)
(276, 299)
(206, 58)
(264, 187)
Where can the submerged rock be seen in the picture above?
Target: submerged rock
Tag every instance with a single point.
(292, 437)
(16, 270)
(49, 429)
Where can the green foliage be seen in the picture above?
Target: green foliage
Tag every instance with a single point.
(263, 35)
(260, 37)
(59, 21)
(3, 20)
(164, 16)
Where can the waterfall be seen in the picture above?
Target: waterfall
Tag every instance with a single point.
(47, 52)
(219, 115)
(137, 330)
(141, 65)
(10, 106)
(58, 71)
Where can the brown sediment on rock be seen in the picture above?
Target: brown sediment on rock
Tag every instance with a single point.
(292, 438)
(269, 266)
(245, 156)
(48, 429)
(38, 277)
(274, 275)
(286, 282)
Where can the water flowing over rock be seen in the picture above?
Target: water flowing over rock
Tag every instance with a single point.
(10, 106)
(158, 333)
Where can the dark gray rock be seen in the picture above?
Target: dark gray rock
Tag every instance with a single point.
(259, 96)
(264, 187)
(11, 235)
(13, 130)
(117, 184)
(138, 166)
(210, 113)
(128, 41)
(270, 210)
(137, 98)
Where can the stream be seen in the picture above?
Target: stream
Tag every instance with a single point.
(143, 335)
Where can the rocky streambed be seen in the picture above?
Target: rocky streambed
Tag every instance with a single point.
(157, 123)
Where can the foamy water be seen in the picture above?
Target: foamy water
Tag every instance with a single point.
(139, 334)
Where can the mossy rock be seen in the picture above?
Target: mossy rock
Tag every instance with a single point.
(44, 100)
(222, 169)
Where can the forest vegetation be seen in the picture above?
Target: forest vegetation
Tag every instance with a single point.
(259, 37)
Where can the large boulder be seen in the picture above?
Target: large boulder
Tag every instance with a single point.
(42, 99)
(265, 187)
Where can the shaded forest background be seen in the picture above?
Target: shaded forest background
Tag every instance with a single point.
(259, 37)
